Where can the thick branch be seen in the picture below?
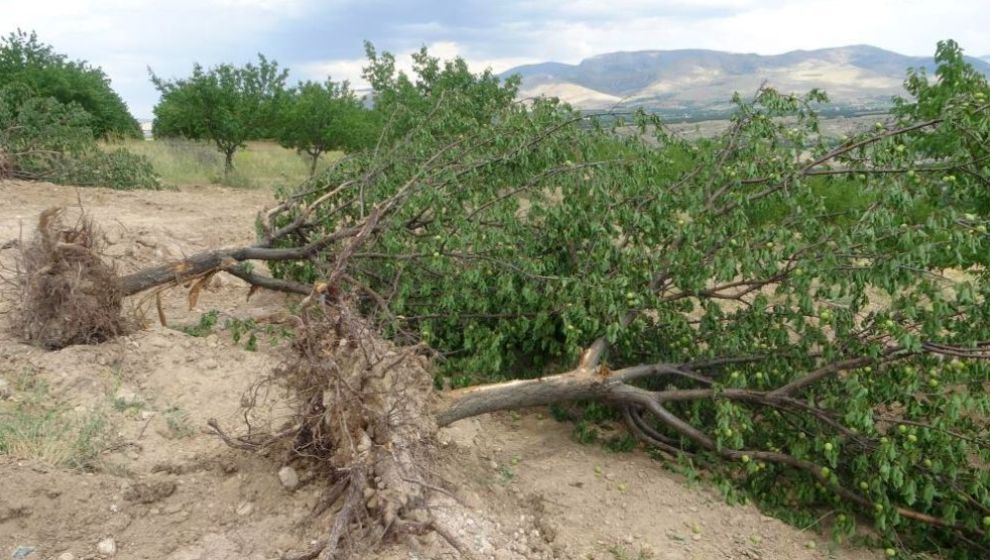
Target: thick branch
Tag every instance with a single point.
(207, 261)
(574, 385)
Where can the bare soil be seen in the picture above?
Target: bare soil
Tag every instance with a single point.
(163, 487)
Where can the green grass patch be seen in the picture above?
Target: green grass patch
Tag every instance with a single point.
(33, 426)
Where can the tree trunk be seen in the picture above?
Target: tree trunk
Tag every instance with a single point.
(228, 162)
(570, 386)
(227, 260)
(313, 159)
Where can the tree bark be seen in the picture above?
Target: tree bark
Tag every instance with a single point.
(570, 386)
(226, 259)
(228, 162)
(314, 158)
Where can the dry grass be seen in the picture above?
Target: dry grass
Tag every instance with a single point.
(188, 162)
(65, 293)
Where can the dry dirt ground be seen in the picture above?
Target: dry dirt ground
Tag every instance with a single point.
(161, 486)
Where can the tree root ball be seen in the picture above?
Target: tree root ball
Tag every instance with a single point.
(67, 294)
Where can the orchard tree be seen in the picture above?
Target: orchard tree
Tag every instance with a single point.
(808, 318)
(26, 61)
(318, 118)
(226, 104)
(404, 102)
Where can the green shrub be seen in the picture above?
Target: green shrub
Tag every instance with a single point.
(118, 169)
(42, 138)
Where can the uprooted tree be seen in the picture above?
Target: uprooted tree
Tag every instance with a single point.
(806, 316)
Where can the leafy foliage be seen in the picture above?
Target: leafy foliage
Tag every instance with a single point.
(119, 169)
(44, 73)
(43, 138)
(405, 102)
(226, 104)
(319, 118)
(51, 112)
(961, 93)
(821, 304)
(35, 130)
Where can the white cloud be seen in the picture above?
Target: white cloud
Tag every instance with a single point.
(126, 36)
(350, 69)
(765, 27)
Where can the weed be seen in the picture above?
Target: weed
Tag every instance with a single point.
(683, 466)
(125, 406)
(205, 325)
(585, 432)
(179, 425)
(562, 413)
(505, 474)
(33, 427)
(622, 443)
(239, 328)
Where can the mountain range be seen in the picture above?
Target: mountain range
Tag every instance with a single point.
(696, 82)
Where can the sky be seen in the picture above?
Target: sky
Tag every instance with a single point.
(317, 38)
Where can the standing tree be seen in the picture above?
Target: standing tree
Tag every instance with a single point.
(808, 318)
(226, 105)
(318, 118)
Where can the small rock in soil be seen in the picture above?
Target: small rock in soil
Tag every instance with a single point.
(149, 492)
(22, 552)
(67, 556)
(289, 478)
(107, 547)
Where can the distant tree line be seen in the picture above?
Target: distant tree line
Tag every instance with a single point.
(229, 105)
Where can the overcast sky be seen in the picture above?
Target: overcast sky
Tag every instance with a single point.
(319, 37)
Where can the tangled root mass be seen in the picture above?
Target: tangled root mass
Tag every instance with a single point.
(66, 293)
(364, 416)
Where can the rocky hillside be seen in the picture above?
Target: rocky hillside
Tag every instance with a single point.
(690, 81)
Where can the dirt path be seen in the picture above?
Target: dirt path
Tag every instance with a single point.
(161, 487)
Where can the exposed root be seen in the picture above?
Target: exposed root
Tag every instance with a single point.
(66, 293)
(365, 418)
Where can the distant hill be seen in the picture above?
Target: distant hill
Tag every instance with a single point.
(693, 81)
